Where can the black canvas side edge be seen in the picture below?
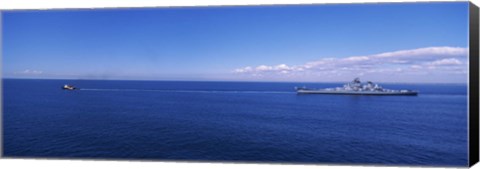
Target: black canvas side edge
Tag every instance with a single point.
(473, 121)
(1, 86)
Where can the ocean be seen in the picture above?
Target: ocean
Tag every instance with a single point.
(233, 122)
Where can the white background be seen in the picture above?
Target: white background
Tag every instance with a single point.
(83, 164)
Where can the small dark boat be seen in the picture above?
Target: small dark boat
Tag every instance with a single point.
(69, 87)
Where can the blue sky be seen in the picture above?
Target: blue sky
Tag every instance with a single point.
(409, 42)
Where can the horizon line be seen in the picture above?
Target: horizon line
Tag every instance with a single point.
(246, 81)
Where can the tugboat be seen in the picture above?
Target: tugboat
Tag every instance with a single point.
(69, 87)
(357, 88)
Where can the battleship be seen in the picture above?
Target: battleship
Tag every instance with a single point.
(357, 88)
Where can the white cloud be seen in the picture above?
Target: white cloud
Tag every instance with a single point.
(357, 58)
(29, 72)
(420, 61)
(416, 67)
(426, 52)
(450, 61)
(282, 67)
(263, 68)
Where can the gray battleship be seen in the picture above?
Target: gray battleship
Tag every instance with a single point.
(357, 88)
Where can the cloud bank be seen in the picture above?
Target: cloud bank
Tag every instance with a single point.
(29, 72)
(430, 64)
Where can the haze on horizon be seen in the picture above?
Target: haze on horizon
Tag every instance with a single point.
(399, 43)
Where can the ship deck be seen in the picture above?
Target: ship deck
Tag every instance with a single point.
(409, 93)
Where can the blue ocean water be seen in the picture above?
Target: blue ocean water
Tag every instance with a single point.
(233, 121)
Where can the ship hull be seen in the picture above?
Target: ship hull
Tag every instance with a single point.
(408, 93)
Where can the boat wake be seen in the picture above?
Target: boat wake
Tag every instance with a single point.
(189, 91)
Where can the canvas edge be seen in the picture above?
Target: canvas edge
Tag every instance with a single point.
(473, 118)
(1, 84)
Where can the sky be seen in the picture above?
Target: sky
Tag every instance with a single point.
(390, 42)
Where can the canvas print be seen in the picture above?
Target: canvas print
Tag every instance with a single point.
(375, 83)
